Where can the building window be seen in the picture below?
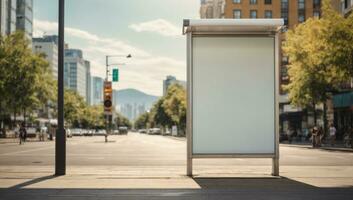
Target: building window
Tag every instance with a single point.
(268, 1)
(316, 14)
(253, 1)
(301, 17)
(253, 14)
(284, 15)
(284, 11)
(284, 4)
(237, 14)
(236, 1)
(301, 4)
(317, 4)
(268, 14)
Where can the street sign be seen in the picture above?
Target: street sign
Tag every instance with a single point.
(115, 75)
(108, 98)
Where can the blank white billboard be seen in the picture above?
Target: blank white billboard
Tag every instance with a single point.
(233, 95)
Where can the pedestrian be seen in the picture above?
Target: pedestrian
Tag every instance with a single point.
(314, 132)
(332, 131)
(22, 133)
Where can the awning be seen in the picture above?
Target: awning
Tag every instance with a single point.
(232, 25)
(343, 100)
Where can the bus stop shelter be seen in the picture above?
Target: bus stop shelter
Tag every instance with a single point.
(233, 73)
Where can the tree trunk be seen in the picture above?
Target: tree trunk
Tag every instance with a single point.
(14, 118)
(24, 116)
(325, 118)
(315, 114)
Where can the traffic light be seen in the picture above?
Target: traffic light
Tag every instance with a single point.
(115, 75)
(108, 98)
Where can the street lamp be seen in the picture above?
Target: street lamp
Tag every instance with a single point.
(107, 62)
(108, 96)
(60, 140)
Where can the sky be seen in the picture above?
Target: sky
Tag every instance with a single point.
(149, 30)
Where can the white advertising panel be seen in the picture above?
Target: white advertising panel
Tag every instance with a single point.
(233, 95)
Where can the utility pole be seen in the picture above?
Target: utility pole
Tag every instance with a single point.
(60, 138)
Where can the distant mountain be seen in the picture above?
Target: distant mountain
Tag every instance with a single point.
(133, 96)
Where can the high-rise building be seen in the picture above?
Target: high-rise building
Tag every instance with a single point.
(97, 90)
(88, 82)
(127, 111)
(24, 21)
(171, 80)
(8, 16)
(212, 9)
(48, 46)
(75, 75)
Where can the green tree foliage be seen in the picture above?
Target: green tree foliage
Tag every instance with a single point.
(320, 54)
(74, 108)
(93, 117)
(158, 115)
(175, 105)
(120, 120)
(141, 121)
(25, 83)
(168, 111)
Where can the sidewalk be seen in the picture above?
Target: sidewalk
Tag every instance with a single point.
(102, 182)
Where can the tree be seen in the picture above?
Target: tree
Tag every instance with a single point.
(141, 121)
(158, 115)
(74, 108)
(175, 105)
(318, 58)
(93, 117)
(168, 111)
(26, 81)
(120, 120)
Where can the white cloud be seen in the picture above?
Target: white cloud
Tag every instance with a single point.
(144, 71)
(160, 26)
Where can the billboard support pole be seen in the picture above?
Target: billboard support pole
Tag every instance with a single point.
(189, 107)
(275, 160)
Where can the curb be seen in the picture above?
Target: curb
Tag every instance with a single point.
(342, 149)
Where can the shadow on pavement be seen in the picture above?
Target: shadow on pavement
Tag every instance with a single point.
(31, 182)
(210, 188)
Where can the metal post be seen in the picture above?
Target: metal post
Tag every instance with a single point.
(277, 57)
(106, 68)
(60, 141)
(275, 166)
(189, 107)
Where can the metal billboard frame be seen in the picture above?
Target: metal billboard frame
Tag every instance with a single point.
(223, 28)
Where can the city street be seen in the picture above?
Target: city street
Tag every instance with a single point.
(139, 165)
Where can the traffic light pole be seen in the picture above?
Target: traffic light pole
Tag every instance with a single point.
(109, 118)
(60, 138)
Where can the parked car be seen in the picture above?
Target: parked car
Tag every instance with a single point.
(142, 131)
(76, 132)
(100, 132)
(115, 132)
(155, 131)
(32, 132)
(88, 132)
(123, 130)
